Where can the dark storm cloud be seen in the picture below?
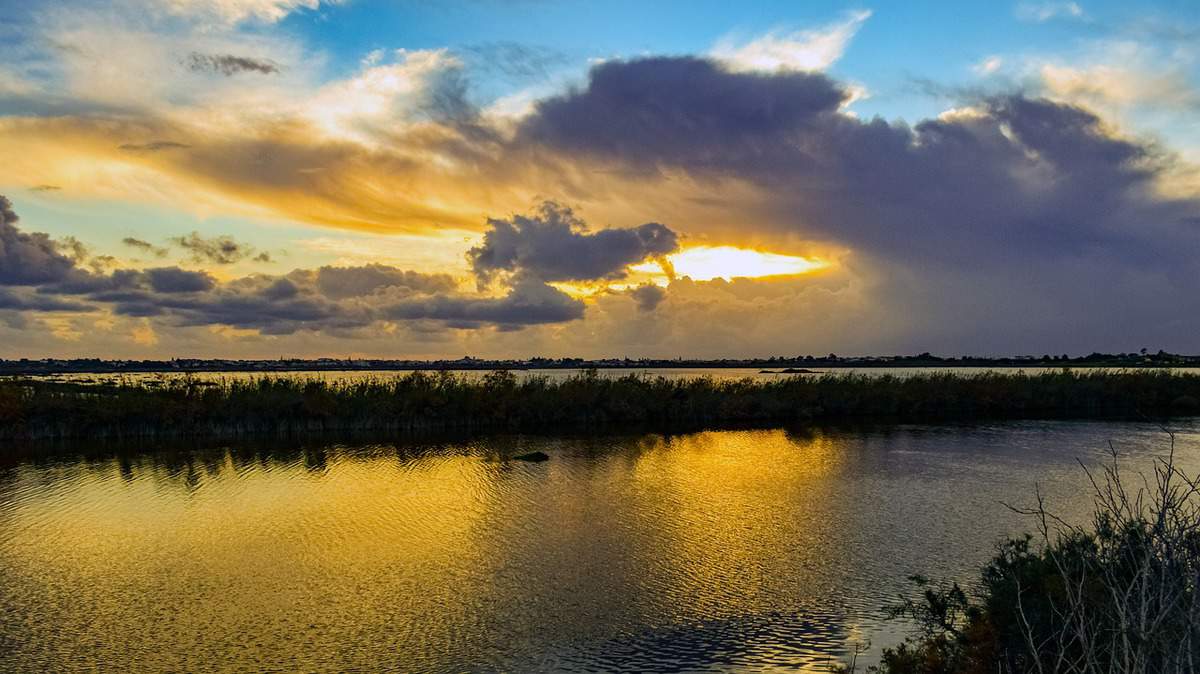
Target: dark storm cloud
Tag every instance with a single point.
(272, 310)
(344, 282)
(81, 282)
(229, 65)
(176, 280)
(145, 246)
(528, 302)
(1014, 220)
(280, 289)
(648, 296)
(682, 110)
(554, 244)
(215, 250)
(28, 259)
(10, 300)
(1016, 177)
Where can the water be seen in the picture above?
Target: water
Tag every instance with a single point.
(562, 373)
(721, 551)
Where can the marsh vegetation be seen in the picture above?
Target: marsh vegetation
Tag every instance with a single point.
(499, 400)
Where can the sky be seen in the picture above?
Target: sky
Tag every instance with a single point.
(402, 179)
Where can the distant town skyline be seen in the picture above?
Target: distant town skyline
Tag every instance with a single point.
(248, 178)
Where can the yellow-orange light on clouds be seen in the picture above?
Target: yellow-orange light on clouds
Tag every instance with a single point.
(704, 263)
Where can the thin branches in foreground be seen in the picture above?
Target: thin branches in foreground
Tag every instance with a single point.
(1117, 595)
(500, 400)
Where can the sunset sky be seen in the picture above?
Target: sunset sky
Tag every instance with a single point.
(265, 178)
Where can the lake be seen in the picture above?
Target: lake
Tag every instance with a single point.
(559, 373)
(712, 551)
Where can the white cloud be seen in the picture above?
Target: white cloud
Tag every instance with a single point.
(813, 49)
(1045, 11)
(231, 12)
(116, 59)
(373, 57)
(988, 65)
(379, 96)
(1105, 85)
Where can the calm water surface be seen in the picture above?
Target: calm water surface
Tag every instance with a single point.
(723, 551)
(558, 373)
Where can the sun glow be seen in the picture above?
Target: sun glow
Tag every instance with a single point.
(705, 263)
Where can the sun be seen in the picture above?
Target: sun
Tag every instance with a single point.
(705, 263)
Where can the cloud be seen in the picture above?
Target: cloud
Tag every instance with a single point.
(1045, 11)
(1016, 221)
(988, 66)
(648, 296)
(230, 65)
(685, 111)
(145, 246)
(28, 259)
(45, 188)
(153, 146)
(943, 209)
(176, 280)
(1125, 85)
(360, 107)
(236, 11)
(554, 244)
(328, 299)
(216, 250)
(528, 302)
(74, 249)
(345, 282)
(813, 49)
(10, 300)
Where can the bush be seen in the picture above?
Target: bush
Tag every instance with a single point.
(1119, 595)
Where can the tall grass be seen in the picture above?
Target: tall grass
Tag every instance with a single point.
(501, 400)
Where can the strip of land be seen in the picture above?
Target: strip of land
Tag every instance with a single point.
(499, 400)
(46, 366)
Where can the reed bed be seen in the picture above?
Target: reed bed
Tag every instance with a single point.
(499, 400)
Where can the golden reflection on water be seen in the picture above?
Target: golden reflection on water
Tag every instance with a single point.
(709, 550)
(714, 499)
(382, 558)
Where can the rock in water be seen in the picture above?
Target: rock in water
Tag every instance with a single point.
(532, 456)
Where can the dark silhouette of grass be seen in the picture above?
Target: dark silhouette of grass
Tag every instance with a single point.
(500, 400)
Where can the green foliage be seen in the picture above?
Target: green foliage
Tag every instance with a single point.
(502, 400)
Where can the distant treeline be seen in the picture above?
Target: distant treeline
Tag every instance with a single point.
(1143, 358)
(500, 400)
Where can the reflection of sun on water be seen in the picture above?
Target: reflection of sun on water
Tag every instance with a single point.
(705, 263)
(693, 549)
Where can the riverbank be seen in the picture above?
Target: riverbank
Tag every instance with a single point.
(419, 401)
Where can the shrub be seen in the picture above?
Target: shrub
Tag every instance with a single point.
(1119, 595)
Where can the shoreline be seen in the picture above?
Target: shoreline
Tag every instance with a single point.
(763, 367)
